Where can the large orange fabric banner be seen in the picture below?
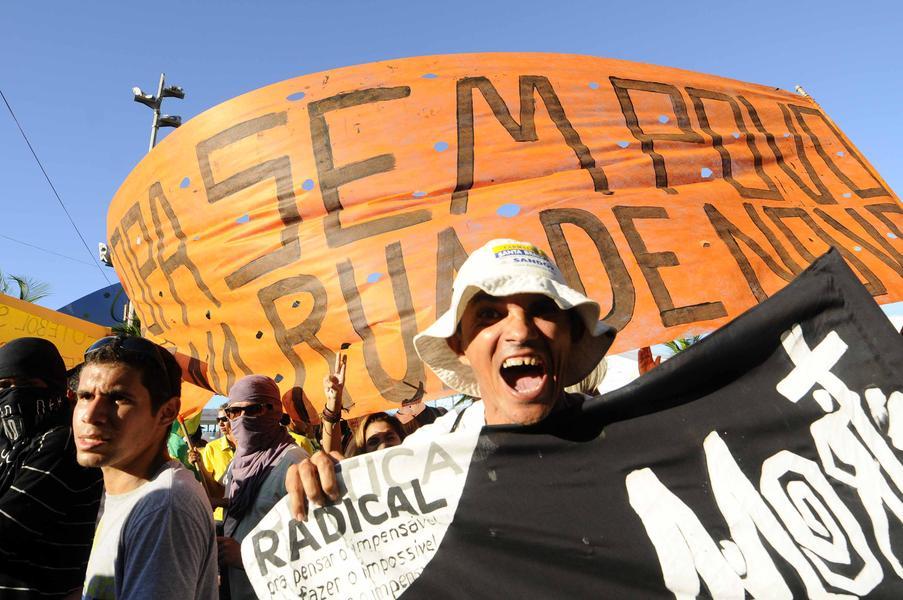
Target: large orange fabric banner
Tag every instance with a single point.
(336, 208)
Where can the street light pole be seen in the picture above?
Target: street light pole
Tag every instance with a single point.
(155, 125)
(155, 103)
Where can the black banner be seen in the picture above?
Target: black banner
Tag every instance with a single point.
(764, 461)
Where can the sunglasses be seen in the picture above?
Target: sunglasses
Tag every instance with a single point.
(222, 420)
(233, 412)
(132, 345)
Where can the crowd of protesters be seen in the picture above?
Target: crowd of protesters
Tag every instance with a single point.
(100, 498)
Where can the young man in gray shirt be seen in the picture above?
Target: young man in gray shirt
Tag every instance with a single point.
(155, 537)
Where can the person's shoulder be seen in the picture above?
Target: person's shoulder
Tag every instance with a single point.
(173, 485)
(172, 490)
(183, 482)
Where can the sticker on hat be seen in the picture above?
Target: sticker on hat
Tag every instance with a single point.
(523, 254)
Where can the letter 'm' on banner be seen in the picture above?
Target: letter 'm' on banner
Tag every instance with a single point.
(525, 131)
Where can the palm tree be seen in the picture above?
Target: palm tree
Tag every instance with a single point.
(132, 329)
(29, 290)
(682, 343)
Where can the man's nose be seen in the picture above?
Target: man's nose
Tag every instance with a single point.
(519, 327)
(92, 412)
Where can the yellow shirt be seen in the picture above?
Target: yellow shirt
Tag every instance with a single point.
(216, 457)
(302, 441)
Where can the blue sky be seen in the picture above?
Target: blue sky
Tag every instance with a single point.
(68, 69)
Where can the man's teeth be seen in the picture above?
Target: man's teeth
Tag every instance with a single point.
(522, 361)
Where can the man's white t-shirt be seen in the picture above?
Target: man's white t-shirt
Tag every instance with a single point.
(472, 417)
(157, 541)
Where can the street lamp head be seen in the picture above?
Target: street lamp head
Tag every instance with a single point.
(169, 121)
(144, 98)
(174, 91)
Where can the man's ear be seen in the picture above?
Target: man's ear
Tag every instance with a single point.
(454, 342)
(169, 411)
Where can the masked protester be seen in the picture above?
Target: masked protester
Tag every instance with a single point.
(48, 503)
(255, 481)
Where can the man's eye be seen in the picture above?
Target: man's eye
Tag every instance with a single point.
(488, 313)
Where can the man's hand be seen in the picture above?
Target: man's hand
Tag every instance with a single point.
(229, 552)
(645, 362)
(312, 479)
(194, 456)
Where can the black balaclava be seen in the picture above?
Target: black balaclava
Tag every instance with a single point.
(28, 410)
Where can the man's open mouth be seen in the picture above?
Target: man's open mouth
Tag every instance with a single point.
(524, 374)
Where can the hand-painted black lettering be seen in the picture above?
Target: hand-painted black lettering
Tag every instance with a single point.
(622, 289)
(389, 388)
(525, 131)
(778, 215)
(332, 177)
(730, 234)
(651, 262)
(647, 141)
(821, 193)
(698, 96)
(449, 258)
(304, 332)
(279, 169)
(179, 257)
(877, 190)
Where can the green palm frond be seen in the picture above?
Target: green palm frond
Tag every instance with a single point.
(682, 343)
(132, 329)
(29, 289)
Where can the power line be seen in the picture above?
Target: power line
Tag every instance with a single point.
(82, 262)
(50, 183)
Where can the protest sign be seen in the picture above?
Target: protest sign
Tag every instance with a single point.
(336, 207)
(69, 334)
(765, 462)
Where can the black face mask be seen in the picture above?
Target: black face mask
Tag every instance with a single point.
(23, 410)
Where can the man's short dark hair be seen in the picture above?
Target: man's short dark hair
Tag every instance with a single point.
(160, 386)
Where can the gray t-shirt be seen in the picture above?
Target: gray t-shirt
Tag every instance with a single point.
(156, 541)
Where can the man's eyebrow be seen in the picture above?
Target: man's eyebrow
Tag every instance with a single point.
(115, 392)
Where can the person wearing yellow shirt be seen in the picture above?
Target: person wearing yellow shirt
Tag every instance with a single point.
(216, 456)
(299, 431)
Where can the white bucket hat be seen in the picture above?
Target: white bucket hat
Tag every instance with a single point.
(506, 267)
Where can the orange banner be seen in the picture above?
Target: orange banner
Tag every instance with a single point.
(336, 207)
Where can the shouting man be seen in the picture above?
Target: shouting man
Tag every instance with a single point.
(155, 536)
(515, 336)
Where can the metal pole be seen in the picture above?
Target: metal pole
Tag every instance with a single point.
(159, 103)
